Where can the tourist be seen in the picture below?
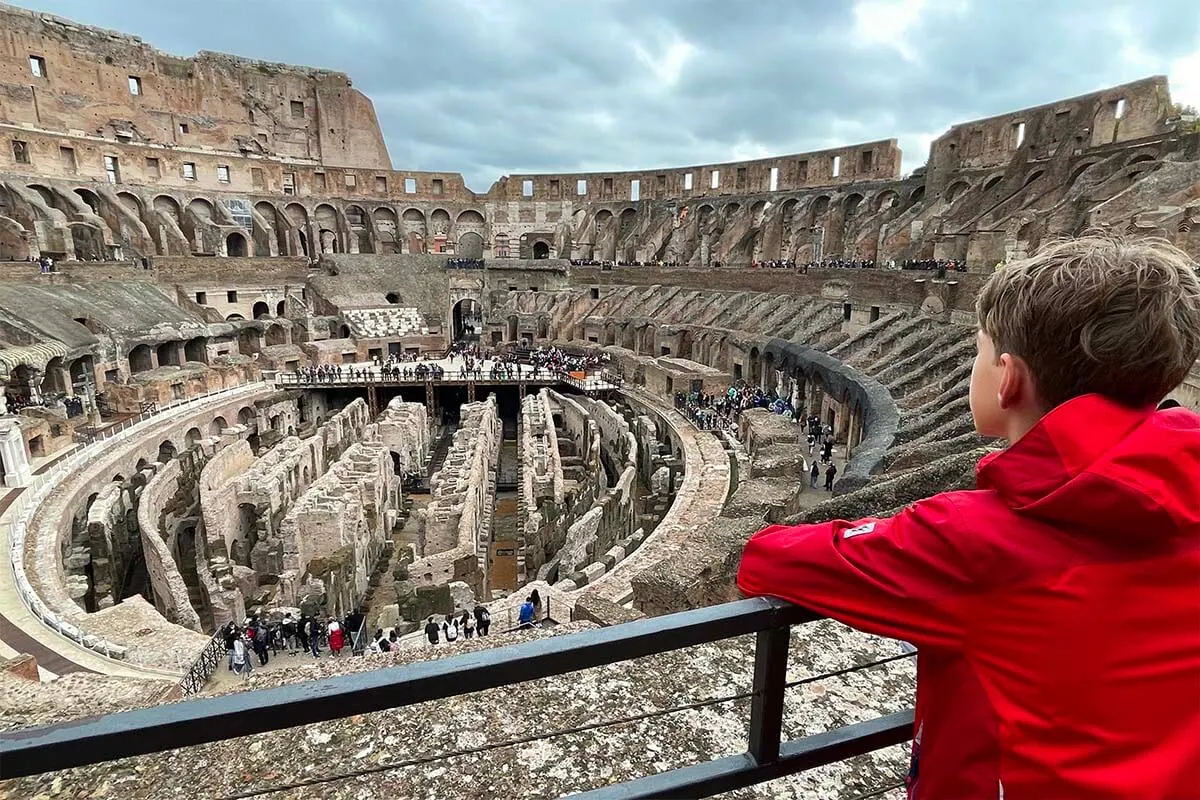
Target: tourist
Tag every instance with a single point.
(483, 619)
(1054, 604)
(288, 631)
(467, 623)
(231, 635)
(536, 599)
(393, 641)
(830, 474)
(450, 628)
(260, 635)
(432, 631)
(525, 615)
(337, 638)
(314, 636)
(240, 658)
(814, 474)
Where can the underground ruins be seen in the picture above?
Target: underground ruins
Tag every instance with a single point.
(248, 369)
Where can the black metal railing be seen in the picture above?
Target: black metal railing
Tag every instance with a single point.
(98, 739)
(208, 662)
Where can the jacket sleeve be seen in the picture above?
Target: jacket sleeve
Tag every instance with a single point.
(894, 577)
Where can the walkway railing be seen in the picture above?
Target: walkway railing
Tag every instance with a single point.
(153, 730)
(27, 503)
(208, 662)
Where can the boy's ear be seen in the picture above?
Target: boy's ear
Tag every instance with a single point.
(1016, 382)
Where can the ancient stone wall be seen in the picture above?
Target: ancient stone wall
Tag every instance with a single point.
(404, 430)
(158, 524)
(335, 532)
(457, 526)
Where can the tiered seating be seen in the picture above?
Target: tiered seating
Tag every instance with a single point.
(385, 323)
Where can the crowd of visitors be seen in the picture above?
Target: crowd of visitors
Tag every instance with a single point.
(263, 638)
(460, 625)
(464, 263)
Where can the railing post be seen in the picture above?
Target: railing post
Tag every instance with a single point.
(770, 678)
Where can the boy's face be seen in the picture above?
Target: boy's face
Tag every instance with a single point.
(987, 383)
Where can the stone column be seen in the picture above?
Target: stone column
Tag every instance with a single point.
(13, 458)
(180, 353)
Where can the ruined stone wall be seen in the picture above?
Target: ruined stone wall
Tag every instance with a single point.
(540, 506)
(335, 532)
(157, 526)
(404, 430)
(457, 526)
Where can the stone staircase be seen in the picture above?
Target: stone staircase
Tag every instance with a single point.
(385, 323)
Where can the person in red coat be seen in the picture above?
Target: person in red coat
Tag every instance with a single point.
(1055, 607)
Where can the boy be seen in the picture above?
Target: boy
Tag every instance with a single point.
(1057, 606)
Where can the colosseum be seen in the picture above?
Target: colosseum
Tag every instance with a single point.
(252, 374)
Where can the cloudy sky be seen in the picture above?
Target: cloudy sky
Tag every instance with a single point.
(489, 87)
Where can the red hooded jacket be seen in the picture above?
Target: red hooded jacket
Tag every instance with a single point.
(1056, 609)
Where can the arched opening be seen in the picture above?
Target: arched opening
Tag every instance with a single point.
(234, 318)
(1140, 158)
(168, 354)
(392, 298)
(14, 240)
(386, 230)
(992, 182)
(280, 308)
(245, 416)
(261, 310)
(217, 425)
(166, 450)
(468, 320)
(1077, 173)
(90, 199)
(820, 206)
(956, 191)
(196, 350)
(1034, 176)
(329, 242)
(470, 245)
(852, 204)
(541, 250)
(918, 195)
(192, 437)
(276, 335)
(140, 359)
(236, 246)
(886, 200)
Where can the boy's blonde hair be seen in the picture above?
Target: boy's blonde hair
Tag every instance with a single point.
(1117, 317)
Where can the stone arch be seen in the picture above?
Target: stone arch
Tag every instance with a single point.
(412, 222)
(14, 240)
(730, 210)
(87, 240)
(260, 310)
(281, 308)
(851, 203)
(217, 426)
(192, 438)
(819, 207)
(55, 378)
(956, 190)
(468, 217)
(236, 245)
(276, 335)
(470, 245)
(168, 354)
(276, 233)
(165, 204)
(166, 450)
(140, 359)
(1033, 176)
(326, 219)
(90, 199)
(917, 195)
(46, 194)
(541, 250)
(1077, 173)
(132, 202)
(297, 215)
(82, 370)
(392, 297)
(1140, 157)
(387, 229)
(603, 218)
(360, 228)
(439, 222)
(196, 350)
(992, 181)
(885, 200)
(234, 318)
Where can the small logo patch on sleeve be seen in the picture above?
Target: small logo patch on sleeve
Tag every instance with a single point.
(859, 531)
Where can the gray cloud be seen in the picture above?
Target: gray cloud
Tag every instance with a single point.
(486, 87)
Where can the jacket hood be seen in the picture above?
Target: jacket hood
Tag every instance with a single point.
(1096, 466)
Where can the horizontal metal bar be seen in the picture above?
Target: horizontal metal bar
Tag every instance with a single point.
(97, 739)
(740, 771)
